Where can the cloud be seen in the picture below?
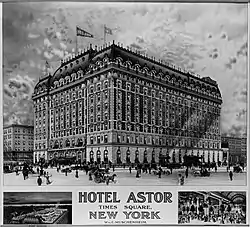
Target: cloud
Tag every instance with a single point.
(47, 43)
(33, 36)
(63, 46)
(182, 34)
(18, 107)
(58, 35)
(48, 55)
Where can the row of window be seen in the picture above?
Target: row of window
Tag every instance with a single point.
(28, 131)
(168, 102)
(24, 149)
(24, 142)
(121, 84)
(156, 141)
(98, 87)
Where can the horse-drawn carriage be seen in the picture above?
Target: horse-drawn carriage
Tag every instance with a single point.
(201, 173)
(237, 169)
(103, 176)
(164, 171)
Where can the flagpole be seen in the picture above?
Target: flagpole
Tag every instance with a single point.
(76, 42)
(104, 34)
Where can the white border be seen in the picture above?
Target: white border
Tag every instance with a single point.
(73, 189)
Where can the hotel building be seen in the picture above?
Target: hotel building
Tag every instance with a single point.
(18, 143)
(237, 148)
(115, 104)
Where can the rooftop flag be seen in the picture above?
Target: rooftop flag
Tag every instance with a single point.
(108, 30)
(83, 33)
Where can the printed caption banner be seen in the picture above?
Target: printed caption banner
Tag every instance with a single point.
(125, 205)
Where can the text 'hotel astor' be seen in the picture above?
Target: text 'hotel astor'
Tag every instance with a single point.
(114, 104)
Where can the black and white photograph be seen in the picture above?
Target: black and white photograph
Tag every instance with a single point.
(124, 94)
(213, 207)
(37, 208)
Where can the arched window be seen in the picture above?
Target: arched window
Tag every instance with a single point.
(118, 156)
(153, 156)
(180, 158)
(98, 156)
(91, 156)
(145, 158)
(137, 156)
(79, 155)
(67, 143)
(106, 160)
(173, 157)
(128, 156)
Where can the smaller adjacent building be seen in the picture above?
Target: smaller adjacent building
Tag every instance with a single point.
(237, 148)
(18, 143)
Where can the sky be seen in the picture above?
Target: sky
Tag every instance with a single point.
(36, 197)
(209, 39)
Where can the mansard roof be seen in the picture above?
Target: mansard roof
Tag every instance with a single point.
(83, 62)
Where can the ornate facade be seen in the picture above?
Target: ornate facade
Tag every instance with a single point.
(114, 104)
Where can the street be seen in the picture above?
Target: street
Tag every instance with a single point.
(125, 178)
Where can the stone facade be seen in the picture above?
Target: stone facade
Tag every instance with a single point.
(113, 104)
(18, 142)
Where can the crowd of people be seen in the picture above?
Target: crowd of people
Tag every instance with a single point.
(94, 170)
(223, 214)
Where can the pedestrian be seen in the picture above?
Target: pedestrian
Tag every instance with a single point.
(179, 179)
(39, 181)
(130, 169)
(182, 180)
(16, 171)
(149, 169)
(90, 176)
(57, 169)
(77, 175)
(231, 175)
(215, 168)
(47, 179)
(37, 170)
(66, 172)
(137, 173)
(124, 165)
(113, 168)
(186, 172)
(171, 170)
(159, 173)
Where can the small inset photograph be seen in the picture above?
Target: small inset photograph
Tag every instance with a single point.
(213, 207)
(37, 208)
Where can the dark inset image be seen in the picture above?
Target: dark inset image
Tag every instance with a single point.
(214, 207)
(37, 208)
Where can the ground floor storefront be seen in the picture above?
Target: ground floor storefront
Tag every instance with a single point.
(119, 154)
